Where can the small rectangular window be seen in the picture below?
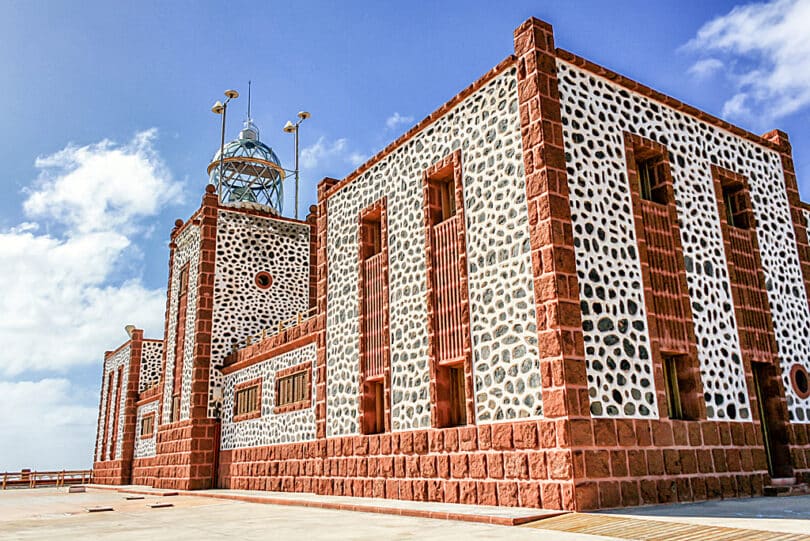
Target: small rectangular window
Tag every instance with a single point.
(292, 388)
(735, 201)
(674, 402)
(458, 399)
(147, 425)
(247, 400)
(442, 198)
(651, 179)
(175, 408)
(371, 236)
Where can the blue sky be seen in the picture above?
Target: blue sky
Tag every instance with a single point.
(107, 134)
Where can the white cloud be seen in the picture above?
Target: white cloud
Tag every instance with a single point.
(321, 151)
(330, 157)
(396, 119)
(47, 424)
(767, 46)
(706, 67)
(355, 158)
(61, 298)
(102, 187)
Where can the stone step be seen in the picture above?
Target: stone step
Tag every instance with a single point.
(799, 489)
(783, 481)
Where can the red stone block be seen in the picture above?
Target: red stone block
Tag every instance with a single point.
(559, 464)
(467, 492)
(468, 438)
(547, 434)
(477, 465)
(502, 436)
(516, 465)
(581, 433)
(484, 437)
(597, 464)
(458, 466)
(451, 440)
(655, 462)
(587, 496)
(420, 442)
(672, 461)
(629, 493)
(451, 491)
(525, 435)
(662, 434)
(648, 492)
(435, 490)
(508, 493)
(487, 493)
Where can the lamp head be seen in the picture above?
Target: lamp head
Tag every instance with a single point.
(129, 329)
(231, 94)
(289, 127)
(218, 108)
(303, 115)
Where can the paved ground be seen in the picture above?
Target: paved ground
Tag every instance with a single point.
(55, 514)
(45, 514)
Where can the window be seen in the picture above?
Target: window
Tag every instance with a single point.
(147, 425)
(264, 280)
(374, 418)
(292, 388)
(673, 390)
(800, 380)
(175, 408)
(458, 401)
(179, 341)
(651, 179)
(373, 319)
(247, 400)
(735, 201)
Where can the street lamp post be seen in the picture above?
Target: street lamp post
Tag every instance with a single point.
(289, 127)
(220, 108)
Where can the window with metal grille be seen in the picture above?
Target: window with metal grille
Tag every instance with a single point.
(147, 425)
(247, 400)
(292, 388)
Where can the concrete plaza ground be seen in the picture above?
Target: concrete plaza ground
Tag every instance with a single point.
(54, 514)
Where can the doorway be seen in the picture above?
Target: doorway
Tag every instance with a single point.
(773, 419)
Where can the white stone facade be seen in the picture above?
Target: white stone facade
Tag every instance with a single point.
(186, 253)
(485, 127)
(271, 428)
(246, 246)
(120, 358)
(596, 113)
(151, 357)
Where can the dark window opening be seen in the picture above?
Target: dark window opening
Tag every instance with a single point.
(735, 200)
(673, 388)
(458, 402)
(442, 198)
(371, 236)
(652, 179)
(374, 416)
(175, 408)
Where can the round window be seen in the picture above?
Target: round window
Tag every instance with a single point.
(264, 280)
(800, 380)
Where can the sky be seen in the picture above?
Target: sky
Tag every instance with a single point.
(106, 134)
